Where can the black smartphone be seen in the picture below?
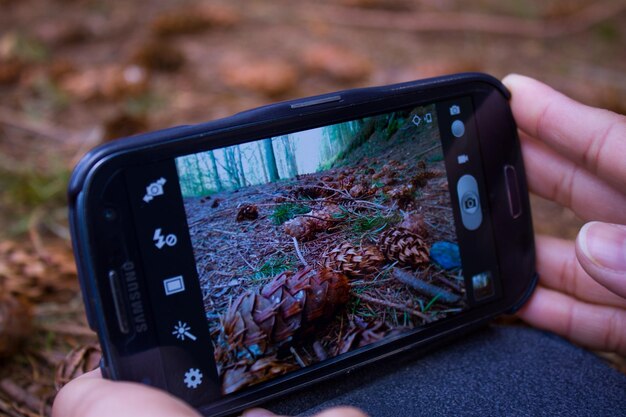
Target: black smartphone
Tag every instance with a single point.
(233, 261)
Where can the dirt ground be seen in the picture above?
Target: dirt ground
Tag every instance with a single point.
(75, 73)
(365, 194)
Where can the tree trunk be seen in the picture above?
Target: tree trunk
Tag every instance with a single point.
(242, 175)
(262, 162)
(290, 156)
(270, 160)
(216, 175)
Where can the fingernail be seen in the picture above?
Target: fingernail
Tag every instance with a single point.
(258, 412)
(604, 244)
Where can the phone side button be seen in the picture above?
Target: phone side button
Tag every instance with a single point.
(512, 191)
(104, 369)
(118, 302)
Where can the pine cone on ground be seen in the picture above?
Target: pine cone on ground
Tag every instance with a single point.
(285, 309)
(259, 324)
(353, 261)
(306, 226)
(244, 374)
(247, 212)
(420, 179)
(399, 244)
(415, 223)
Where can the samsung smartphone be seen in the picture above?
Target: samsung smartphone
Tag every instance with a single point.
(233, 261)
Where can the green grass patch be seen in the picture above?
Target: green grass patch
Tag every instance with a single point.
(274, 266)
(362, 223)
(430, 303)
(287, 211)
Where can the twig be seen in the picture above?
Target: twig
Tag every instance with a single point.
(21, 396)
(33, 232)
(425, 151)
(424, 287)
(295, 244)
(16, 121)
(448, 282)
(468, 22)
(69, 328)
(394, 305)
(8, 409)
(226, 232)
(247, 263)
(297, 357)
(370, 283)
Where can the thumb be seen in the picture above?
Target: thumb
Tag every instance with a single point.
(331, 412)
(92, 396)
(258, 412)
(601, 251)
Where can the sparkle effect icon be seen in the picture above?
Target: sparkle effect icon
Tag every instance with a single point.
(193, 378)
(181, 331)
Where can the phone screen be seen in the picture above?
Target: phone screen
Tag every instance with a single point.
(316, 244)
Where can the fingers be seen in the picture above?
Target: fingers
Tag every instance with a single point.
(559, 270)
(601, 250)
(591, 137)
(590, 325)
(92, 396)
(332, 412)
(558, 179)
(342, 412)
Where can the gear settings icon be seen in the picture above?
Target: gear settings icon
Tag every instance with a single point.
(193, 378)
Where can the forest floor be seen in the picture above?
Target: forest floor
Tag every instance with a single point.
(368, 194)
(76, 73)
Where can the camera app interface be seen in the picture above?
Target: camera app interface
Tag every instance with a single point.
(321, 242)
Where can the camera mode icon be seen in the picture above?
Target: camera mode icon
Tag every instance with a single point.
(154, 189)
(469, 202)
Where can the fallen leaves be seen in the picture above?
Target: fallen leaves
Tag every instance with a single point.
(109, 82)
(335, 62)
(15, 324)
(193, 20)
(79, 361)
(49, 274)
(270, 77)
(159, 55)
(122, 124)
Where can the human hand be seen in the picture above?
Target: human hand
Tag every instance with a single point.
(575, 155)
(90, 395)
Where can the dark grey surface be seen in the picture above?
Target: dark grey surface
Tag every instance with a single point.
(498, 371)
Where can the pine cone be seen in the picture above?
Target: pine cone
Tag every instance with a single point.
(420, 179)
(247, 212)
(414, 222)
(305, 227)
(283, 310)
(244, 374)
(399, 244)
(354, 262)
(403, 195)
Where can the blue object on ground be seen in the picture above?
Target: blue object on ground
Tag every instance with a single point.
(446, 255)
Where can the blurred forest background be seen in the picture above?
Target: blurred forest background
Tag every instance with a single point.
(76, 73)
(278, 158)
